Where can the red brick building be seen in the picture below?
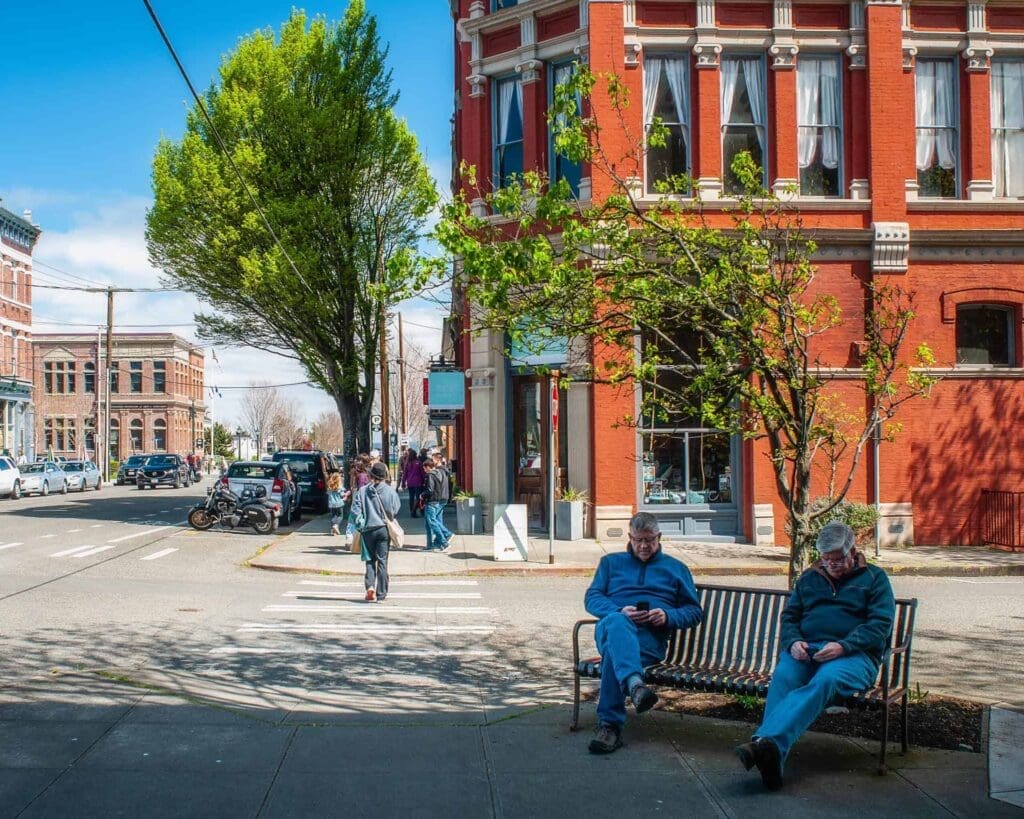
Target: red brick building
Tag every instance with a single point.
(902, 126)
(17, 239)
(156, 394)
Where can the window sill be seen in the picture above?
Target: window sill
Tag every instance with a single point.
(965, 206)
(1011, 373)
(803, 203)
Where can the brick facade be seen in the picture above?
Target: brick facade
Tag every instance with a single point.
(156, 406)
(17, 239)
(958, 250)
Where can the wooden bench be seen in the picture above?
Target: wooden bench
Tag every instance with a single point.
(736, 646)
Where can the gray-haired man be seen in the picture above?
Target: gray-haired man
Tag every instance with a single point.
(835, 628)
(641, 595)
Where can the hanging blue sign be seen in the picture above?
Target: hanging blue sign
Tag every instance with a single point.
(447, 390)
(538, 349)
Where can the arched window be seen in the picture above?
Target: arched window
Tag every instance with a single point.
(160, 435)
(985, 335)
(135, 430)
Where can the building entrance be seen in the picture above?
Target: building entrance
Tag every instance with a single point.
(532, 458)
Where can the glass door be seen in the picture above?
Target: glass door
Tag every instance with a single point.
(531, 424)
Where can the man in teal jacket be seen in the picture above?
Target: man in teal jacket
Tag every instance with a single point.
(835, 629)
(641, 595)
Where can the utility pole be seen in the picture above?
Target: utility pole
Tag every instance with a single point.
(110, 382)
(192, 418)
(401, 373)
(385, 427)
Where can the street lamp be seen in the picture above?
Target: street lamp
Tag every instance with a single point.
(238, 439)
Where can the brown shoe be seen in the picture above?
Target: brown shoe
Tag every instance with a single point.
(769, 762)
(607, 738)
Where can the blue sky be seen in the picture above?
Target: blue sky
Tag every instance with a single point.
(90, 89)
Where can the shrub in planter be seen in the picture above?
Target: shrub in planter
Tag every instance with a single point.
(861, 517)
(468, 513)
(569, 514)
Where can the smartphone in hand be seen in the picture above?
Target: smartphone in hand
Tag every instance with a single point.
(642, 605)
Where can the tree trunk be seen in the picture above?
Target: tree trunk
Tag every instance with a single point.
(800, 523)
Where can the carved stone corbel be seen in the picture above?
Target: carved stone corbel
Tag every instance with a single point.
(632, 58)
(979, 58)
(784, 55)
(477, 85)
(909, 58)
(890, 251)
(858, 54)
(707, 54)
(530, 70)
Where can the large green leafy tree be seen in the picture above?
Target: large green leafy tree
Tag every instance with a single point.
(307, 119)
(721, 320)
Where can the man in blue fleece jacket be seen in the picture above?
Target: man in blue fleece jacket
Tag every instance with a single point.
(641, 595)
(835, 629)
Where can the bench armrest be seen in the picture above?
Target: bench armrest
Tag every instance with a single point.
(576, 640)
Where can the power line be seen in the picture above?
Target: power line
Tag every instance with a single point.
(223, 147)
(38, 261)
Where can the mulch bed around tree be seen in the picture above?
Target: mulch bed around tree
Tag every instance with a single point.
(935, 721)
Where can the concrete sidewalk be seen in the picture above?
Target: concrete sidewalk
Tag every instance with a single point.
(310, 548)
(81, 745)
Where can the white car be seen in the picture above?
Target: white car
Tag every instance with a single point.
(10, 478)
(82, 475)
(43, 477)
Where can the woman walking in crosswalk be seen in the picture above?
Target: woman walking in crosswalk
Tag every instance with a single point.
(372, 506)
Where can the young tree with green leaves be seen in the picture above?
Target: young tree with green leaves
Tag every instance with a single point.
(306, 118)
(717, 317)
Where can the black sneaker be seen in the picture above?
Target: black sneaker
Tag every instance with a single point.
(607, 738)
(643, 698)
(769, 762)
(746, 754)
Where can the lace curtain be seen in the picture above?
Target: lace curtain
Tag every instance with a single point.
(750, 69)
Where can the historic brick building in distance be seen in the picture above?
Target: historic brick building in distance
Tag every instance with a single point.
(17, 239)
(902, 126)
(156, 394)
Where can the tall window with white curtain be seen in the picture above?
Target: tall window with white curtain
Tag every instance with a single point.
(561, 166)
(508, 130)
(743, 115)
(938, 148)
(667, 102)
(819, 120)
(1008, 127)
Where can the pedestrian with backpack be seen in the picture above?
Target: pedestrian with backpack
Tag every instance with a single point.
(373, 506)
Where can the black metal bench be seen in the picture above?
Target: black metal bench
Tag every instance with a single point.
(735, 648)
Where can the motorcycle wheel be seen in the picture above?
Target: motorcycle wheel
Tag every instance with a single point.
(265, 526)
(199, 519)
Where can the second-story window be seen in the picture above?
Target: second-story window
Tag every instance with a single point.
(497, 5)
(89, 377)
(937, 143)
(743, 115)
(561, 166)
(984, 335)
(159, 376)
(1008, 127)
(115, 378)
(667, 101)
(508, 131)
(59, 377)
(135, 372)
(819, 117)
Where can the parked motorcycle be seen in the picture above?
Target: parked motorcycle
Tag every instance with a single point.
(224, 507)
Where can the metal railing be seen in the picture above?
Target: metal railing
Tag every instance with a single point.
(1002, 519)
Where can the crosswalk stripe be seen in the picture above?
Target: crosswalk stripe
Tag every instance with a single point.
(97, 526)
(73, 531)
(363, 628)
(332, 595)
(403, 583)
(157, 555)
(144, 532)
(91, 552)
(43, 537)
(67, 552)
(386, 609)
(359, 652)
(9, 545)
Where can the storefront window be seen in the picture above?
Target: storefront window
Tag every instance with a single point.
(686, 467)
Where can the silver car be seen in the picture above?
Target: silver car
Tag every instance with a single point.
(10, 478)
(82, 475)
(43, 477)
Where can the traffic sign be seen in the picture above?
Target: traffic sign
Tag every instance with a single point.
(554, 403)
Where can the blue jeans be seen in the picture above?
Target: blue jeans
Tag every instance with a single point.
(800, 691)
(414, 496)
(626, 649)
(437, 533)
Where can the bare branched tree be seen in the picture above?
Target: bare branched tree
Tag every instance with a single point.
(260, 404)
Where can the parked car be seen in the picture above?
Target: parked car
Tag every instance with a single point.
(276, 477)
(128, 468)
(163, 470)
(10, 478)
(43, 477)
(82, 474)
(310, 470)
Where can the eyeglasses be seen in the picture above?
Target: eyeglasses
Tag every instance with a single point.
(835, 561)
(645, 541)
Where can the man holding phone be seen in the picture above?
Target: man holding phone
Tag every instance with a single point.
(835, 629)
(640, 596)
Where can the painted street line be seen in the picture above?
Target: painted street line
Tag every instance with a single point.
(403, 584)
(359, 652)
(44, 537)
(9, 546)
(95, 551)
(386, 609)
(67, 552)
(331, 595)
(97, 526)
(154, 514)
(157, 555)
(72, 531)
(362, 628)
(144, 532)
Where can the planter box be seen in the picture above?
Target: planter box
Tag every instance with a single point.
(569, 520)
(469, 518)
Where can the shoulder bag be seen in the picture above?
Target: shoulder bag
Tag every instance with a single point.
(396, 534)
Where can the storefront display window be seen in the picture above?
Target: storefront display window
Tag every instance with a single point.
(686, 467)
